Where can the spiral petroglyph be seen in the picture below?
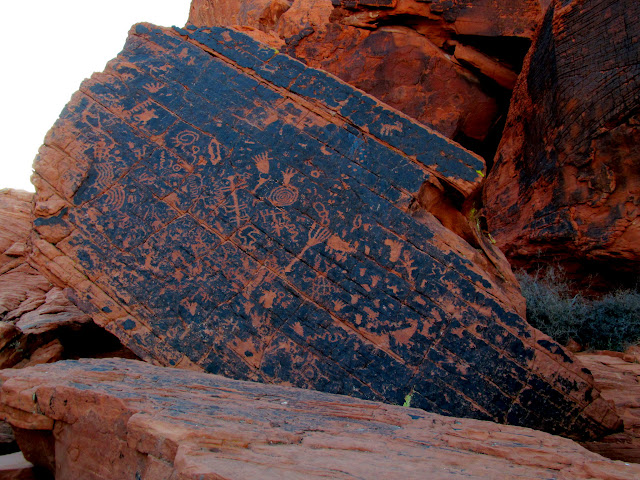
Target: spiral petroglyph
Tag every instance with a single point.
(284, 195)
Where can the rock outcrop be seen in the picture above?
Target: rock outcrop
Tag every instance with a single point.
(617, 376)
(38, 323)
(115, 419)
(220, 206)
(450, 65)
(566, 182)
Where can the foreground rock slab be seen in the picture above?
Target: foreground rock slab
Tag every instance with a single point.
(566, 182)
(116, 418)
(220, 206)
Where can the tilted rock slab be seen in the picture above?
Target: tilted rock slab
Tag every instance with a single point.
(566, 180)
(220, 206)
(115, 419)
(429, 59)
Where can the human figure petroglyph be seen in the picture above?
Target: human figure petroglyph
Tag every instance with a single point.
(286, 194)
(317, 235)
(269, 297)
(280, 222)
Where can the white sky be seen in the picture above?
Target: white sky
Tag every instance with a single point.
(48, 47)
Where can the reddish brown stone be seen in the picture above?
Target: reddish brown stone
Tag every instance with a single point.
(617, 375)
(115, 419)
(428, 59)
(270, 222)
(37, 320)
(566, 182)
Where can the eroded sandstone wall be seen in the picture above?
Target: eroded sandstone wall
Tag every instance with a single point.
(566, 182)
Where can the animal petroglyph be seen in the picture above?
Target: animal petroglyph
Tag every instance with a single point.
(396, 248)
(144, 112)
(407, 264)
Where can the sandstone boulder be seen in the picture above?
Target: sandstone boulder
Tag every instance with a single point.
(617, 376)
(223, 207)
(114, 419)
(566, 182)
(38, 323)
(450, 65)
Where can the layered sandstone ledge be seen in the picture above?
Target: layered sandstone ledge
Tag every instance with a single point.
(114, 419)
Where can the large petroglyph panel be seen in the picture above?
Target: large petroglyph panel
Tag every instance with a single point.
(220, 206)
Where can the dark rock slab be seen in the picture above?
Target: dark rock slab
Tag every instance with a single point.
(223, 207)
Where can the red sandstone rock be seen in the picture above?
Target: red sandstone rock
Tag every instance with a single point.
(617, 376)
(267, 223)
(37, 320)
(566, 182)
(401, 51)
(115, 419)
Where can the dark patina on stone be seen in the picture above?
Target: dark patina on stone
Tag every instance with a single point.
(220, 206)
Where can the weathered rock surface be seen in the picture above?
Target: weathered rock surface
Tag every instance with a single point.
(431, 60)
(38, 323)
(566, 181)
(220, 206)
(617, 376)
(155, 423)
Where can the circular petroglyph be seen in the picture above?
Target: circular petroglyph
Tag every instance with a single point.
(283, 195)
(186, 138)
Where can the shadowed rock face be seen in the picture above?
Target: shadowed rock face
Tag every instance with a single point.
(118, 419)
(450, 65)
(566, 181)
(220, 206)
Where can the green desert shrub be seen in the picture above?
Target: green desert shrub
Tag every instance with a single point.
(609, 323)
